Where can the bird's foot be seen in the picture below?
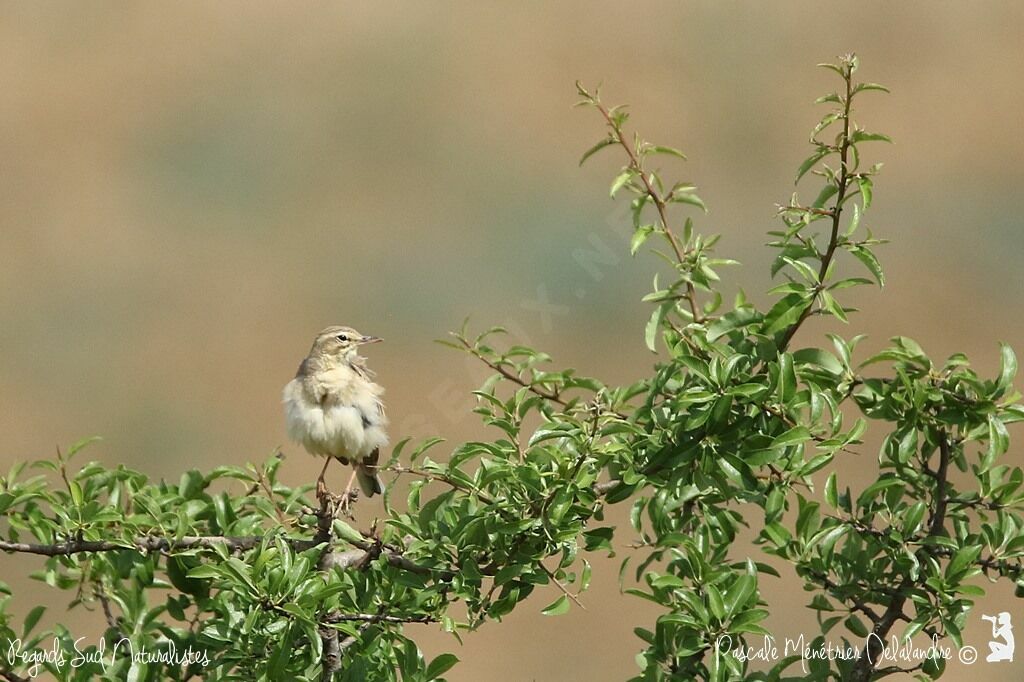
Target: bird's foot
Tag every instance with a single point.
(346, 501)
(336, 504)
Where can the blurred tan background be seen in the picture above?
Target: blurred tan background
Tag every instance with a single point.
(189, 193)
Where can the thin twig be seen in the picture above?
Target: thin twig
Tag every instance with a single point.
(562, 587)
(1003, 566)
(857, 604)
(443, 478)
(143, 544)
(782, 416)
(113, 622)
(375, 618)
(265, 484)
(160, 544)
(512, 376)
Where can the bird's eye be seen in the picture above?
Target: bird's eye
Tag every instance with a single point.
(342, 337)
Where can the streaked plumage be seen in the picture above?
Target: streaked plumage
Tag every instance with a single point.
(334, 408)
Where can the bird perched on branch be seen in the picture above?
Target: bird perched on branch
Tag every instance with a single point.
(333, 407)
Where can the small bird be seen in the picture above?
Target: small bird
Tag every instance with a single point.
(334, 409)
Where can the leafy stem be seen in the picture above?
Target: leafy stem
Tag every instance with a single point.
(842, 186)
(615, 118)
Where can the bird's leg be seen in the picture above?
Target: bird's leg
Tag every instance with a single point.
(349, 495)
(321, 487)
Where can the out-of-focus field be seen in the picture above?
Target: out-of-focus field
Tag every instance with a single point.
(190, 192)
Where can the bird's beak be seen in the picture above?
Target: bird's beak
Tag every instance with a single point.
(370, 339)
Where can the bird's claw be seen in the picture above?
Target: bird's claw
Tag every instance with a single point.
(345, 501)
(337, 504)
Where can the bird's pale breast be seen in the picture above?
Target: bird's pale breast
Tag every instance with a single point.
(335, 412)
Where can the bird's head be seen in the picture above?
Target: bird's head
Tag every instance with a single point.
(341, 343)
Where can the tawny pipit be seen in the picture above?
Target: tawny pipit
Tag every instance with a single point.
(333, 408)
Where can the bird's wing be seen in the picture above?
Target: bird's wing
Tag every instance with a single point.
(381, 419)
(372, 414)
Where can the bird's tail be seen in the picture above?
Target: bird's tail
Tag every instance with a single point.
(369, 481)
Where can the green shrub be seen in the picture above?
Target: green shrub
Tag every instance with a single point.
(230, 574)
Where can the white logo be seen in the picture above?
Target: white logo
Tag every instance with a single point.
(1001, 648)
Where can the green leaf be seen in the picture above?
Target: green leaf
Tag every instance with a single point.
(1007, 369)
(598, 538)
(913, 517)
(805, 270)
(347, 532)
(831, 492)
(557, 607)
(961, 561)
(731, 321)
(277, 666)
(826, 539)
(620, 181)
(797, 434)
(640, 235)
(80, 445)
(777, 533)
(816, 463)
(596, 148)
(907, 445)
(856, 626)
(671, 151)
(715, 602)
(854, 221)
(76, 493)
(738, 593)
(818, 359)
(667, 581)
(999, 441)
(849, 282)
(826, 193)
(863, 136)
(784, 313)
(691, 199)
(829, 303)
(654, 325)
(31, 620)
(827, 120)
(861, 87)
(422, 448)
(441, 665)
(872, 490)
(204, 571)
(585, 576)
(787, 378)
(811, 161)
(866, 186)
(865, 256)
